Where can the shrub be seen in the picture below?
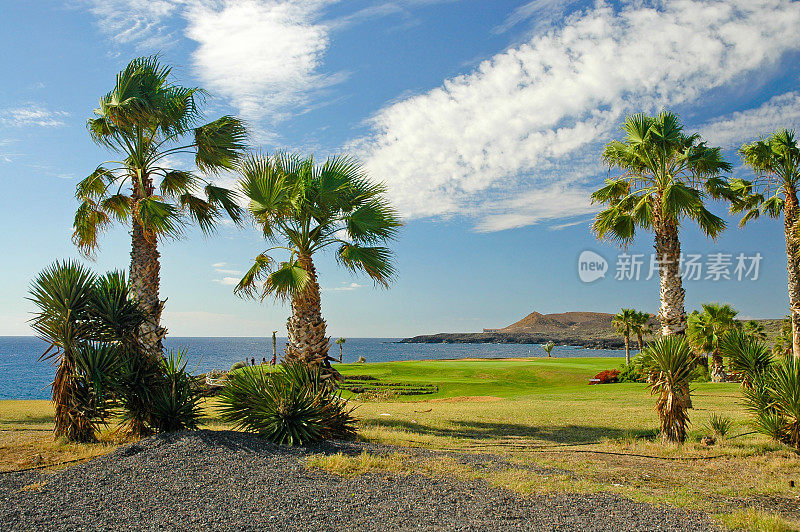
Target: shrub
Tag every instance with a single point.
(774, 400)
(669, 361)
(238, 365)
(629, 373)
(700, 374)
(291, 406)
(175, 404)
(607, 376)
(719, 425)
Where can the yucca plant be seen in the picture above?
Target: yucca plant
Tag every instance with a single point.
(82, 318)
(175, 402)
(291, 405)
(774, 401)
(719, 425)
(747, 355)
(670, 361)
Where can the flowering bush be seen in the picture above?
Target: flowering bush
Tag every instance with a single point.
(608, 376)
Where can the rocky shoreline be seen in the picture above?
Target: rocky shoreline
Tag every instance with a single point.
(515, 338)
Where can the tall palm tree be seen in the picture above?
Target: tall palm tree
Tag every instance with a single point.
(624, 323)
(641, 326)
(307, 208)
(707, 328)
(147, 120)
(666, 177)
(775, 160)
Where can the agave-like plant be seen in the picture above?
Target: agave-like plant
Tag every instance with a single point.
(86, 320)
(292, 405)
(175, 402)
(670, 361)
(747, 354)
(774, 401)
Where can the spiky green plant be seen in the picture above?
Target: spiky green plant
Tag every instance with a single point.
(719, 425)
(291, 405)
(175, 402)
(666, 178)
(774, 401)
(87, 320)
(670, 361)
(747, 355)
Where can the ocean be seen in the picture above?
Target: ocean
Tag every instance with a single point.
(24, 376)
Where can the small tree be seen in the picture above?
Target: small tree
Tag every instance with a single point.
(706, 329)
(340, 342)
(548, 348)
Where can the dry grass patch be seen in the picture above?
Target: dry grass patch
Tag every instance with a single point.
(756, 521)
(22, 449)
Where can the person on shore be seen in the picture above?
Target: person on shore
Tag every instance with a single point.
(253, 361)
(263, 360)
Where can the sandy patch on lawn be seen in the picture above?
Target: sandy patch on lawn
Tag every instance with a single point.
(467, 399)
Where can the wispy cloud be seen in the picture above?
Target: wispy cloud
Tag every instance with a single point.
(142, 23)
(32, 115)
(228, 281)
(345, 287)
(733, 130)
(516, 140)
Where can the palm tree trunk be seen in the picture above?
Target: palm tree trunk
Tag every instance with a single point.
(717, 370)
(145, 279)
(306, 328)
(627, 350)
(668, 248)
(639, 340)
(790, 212)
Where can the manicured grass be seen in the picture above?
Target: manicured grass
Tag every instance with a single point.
(542, 413)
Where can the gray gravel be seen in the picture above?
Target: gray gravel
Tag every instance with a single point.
(220, 480)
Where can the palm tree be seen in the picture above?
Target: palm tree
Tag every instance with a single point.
(755, 329)
(624, 322)
(641, 326)
(670, 360)
(548, 348)
(666, 176)
(340, 342)
(147, 120)
(706, 329)
(776, 162)
(309, 207)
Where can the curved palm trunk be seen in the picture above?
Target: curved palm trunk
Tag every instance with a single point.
(639, 340)
(668, 248)
(306, 328)
(145, 280)
(790, 212)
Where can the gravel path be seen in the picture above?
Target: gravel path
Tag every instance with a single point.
(220, 480)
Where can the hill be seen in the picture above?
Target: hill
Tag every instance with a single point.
(586, 329)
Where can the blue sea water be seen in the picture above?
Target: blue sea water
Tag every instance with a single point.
(24, 376)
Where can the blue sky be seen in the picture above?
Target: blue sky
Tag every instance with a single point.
(484, 118)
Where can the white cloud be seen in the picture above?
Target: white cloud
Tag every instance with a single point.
(32, 115)
(733, 130)
(219, 264)
(516, 140)
(345, 287)
(228, 281)
(138, 22)
(263, 56)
